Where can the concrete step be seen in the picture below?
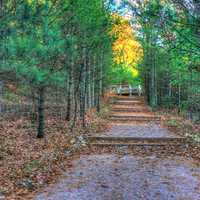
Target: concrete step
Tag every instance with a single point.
(129, 98)
(135, 141)
(134, 118)
(123, 109)
(131, 103)
(133, 144)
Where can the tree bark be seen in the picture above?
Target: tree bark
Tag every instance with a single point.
(69, 96)
(41, 122)
(1, 93)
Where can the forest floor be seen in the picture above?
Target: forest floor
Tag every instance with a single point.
(28, 163)
(145, 156)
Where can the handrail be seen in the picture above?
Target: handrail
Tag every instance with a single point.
(129, 89)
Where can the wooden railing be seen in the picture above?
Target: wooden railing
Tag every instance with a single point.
(127, 89)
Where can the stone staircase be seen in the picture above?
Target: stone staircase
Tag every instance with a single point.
(135, 141)
(133, 124)
(131, 109)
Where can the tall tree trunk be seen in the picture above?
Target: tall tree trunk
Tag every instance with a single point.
(179, 97)
(89, 83)
(155, 78)
(41, 122)
(34, 106)
(69, 96)
(86, 92)
(99, 82)
(1, 93)
(76, 93)
(101, 74)
(93, 83)
(98, 98)
(82, 87)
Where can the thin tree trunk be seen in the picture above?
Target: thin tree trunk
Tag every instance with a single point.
(69, 96)
(179, 97)
(82, 88)
(89, 84)
(34, 107)
(1, 93)
(93, 84)
(41, 122)
(101, 74)
(76, 92)
(98, 98)
(155, 79)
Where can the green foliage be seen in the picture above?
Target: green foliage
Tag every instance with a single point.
(172, 123)
(196, 137)
(57, 44)
(10, 96)
(170, 68)
(120, 74)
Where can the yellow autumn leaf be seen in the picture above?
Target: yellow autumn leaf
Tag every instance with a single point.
(127, 50)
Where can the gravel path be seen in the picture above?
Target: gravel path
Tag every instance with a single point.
(115, 177)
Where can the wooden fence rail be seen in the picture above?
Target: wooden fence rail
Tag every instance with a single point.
(7, 109)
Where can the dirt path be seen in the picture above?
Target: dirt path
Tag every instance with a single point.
(126, 175)
(114, 177)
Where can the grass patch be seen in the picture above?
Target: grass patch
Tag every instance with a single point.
(196, 137)
(29, 167)
(172, 123)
